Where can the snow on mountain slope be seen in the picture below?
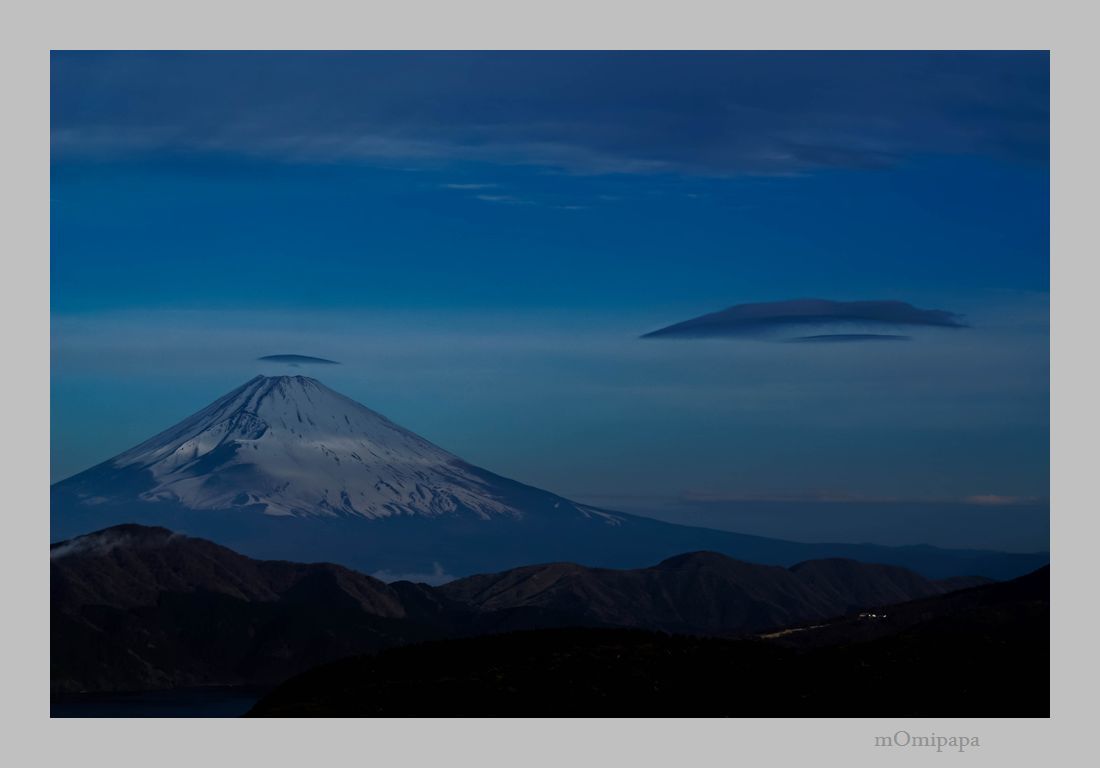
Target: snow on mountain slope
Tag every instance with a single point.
(296, 447)
(284, 468)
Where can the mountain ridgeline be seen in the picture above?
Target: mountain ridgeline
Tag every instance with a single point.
(285, 468)
(135, 608)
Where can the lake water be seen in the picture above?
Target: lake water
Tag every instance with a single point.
(191, 702)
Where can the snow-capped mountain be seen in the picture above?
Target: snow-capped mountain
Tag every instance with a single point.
(289, 445)
(285, 468)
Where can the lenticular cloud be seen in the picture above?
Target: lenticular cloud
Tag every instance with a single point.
(806, 319)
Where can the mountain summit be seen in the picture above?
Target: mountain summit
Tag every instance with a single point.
(292, 446)
(285, 468)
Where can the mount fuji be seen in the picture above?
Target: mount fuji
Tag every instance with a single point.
(285, 468)
(289, 445)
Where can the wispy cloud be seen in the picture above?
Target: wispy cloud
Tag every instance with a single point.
(852, 497)
(847, 338)
(102, 543)
(1000, 500)
(705, 497)
(510, 199)
(701, 113)
(468, 186)
(438, 575)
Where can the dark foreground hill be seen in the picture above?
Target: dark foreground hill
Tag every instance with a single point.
(981, 652)
(139, 608)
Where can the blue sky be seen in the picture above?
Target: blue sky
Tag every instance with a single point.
(481, 238)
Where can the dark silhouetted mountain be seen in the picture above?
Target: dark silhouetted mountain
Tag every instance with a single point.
(285, 468)
(142, 608)
(968, 612)
(699, 593)
(136, 608)
(981, 652)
